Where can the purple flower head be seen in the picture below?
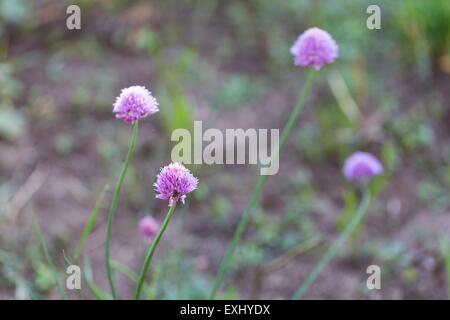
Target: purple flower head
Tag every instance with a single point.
(148, 227)
(135, 103)
(314, 48)
(174, 182)
(362, 166)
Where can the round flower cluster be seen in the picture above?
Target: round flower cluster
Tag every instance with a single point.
(174, 182)
(148, 227)
(314, 48)
(135, 103)
(362, 166)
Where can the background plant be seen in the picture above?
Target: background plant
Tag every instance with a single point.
(57, 140)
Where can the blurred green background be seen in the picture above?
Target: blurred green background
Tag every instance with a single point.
(228, 64)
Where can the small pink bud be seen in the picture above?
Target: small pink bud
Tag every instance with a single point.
(148, 227)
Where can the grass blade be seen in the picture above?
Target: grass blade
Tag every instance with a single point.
(90, 223)
(125, 270)
(48, 257)
(335, 247)
(98, 293)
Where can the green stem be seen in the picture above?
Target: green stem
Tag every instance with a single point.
(226, 262)
(150, 253)
(180, 256)
(333, 250)
(113, 208)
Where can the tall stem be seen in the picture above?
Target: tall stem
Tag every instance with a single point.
(150, 253)
(333, 250)
(259, 187)
(113, 208)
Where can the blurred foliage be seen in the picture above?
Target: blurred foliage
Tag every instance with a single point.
(15, 11)
(12, 124)
(425, 30)
(187, 284)
(387, 93)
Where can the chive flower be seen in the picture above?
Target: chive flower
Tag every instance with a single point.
(148, 227)
(362, 166)
(314, 48)
(134, 103)
(174, 182)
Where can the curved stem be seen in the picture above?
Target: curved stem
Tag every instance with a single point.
(223, 269)
(113, 208)
(333, 250)
(151, 251)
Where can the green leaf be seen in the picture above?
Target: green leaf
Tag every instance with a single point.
(125, 270)
(90, 223)
(177, 113)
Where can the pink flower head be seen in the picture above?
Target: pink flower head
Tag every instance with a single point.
(135, 103)
(174, 182)
(314, 48)
(362, 166)
(148, 227)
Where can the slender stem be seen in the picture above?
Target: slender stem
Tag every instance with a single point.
(181, 249)
(226, 262)
(290, 124)
(333, 250)
(113, 208)
(150, 253)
